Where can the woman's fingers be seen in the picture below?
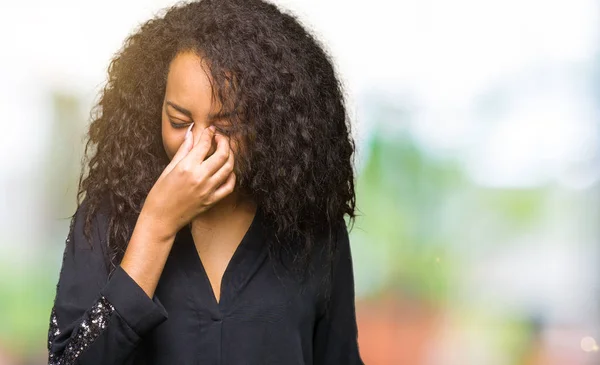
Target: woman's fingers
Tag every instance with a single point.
(215, 172)
(225, 189)
(183, 150)
(219, 158)
(202, 146)
(185, 147)
(222, 173)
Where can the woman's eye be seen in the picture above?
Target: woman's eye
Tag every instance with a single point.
(179, 125)
(223, 129)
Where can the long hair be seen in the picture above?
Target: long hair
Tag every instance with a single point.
(284, 99)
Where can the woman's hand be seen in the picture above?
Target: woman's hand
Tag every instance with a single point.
(191, 183)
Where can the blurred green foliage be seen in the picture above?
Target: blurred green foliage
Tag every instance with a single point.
(417, 216)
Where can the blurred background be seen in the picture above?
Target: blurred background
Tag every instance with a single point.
(478, 169)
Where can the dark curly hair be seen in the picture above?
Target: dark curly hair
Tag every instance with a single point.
(283, 97)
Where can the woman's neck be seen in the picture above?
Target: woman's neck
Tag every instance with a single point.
(230, 211)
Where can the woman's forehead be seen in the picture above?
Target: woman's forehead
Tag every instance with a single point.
(189, 85)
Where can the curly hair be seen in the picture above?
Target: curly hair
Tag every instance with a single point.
(281, 91)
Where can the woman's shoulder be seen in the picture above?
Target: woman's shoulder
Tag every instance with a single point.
(89, 225)
(319, 260)
(333, 241)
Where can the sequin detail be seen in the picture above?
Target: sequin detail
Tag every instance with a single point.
(68, 241)
(94, 322)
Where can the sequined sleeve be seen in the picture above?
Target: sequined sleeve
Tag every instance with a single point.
(92, 324)
(97, 317)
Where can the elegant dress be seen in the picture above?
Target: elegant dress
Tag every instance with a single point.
(265, 315)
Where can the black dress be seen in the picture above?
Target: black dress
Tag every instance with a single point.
(264, 316)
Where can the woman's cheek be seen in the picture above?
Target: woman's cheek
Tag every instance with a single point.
(171, 145)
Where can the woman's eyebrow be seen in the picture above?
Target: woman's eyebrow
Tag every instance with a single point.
(187, 113)
(180, 109)
(220, 115)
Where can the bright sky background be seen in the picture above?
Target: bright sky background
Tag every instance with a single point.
(443, 57)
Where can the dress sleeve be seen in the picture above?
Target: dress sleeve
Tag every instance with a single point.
(97, 317)
(336, 334)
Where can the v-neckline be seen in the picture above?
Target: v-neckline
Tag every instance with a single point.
(238, 270)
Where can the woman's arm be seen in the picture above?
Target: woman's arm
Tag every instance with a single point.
(97, 318)
(336, 334)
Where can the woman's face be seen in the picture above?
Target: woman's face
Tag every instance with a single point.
(188, 98)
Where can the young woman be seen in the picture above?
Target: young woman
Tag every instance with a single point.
(219, 174)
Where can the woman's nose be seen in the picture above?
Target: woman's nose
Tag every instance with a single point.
(197, 130)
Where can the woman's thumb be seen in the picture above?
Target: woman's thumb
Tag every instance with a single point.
(184, 148)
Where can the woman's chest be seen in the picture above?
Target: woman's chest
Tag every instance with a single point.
(259, 308)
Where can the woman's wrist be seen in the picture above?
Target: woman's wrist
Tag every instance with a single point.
(147, 253)
(158, 229)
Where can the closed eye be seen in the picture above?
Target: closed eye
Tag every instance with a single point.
(180, 124)
(224, 128)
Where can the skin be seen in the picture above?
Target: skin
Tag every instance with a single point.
(197, 187)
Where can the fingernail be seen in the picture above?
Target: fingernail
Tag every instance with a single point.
(189, 131)
(212, 128)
